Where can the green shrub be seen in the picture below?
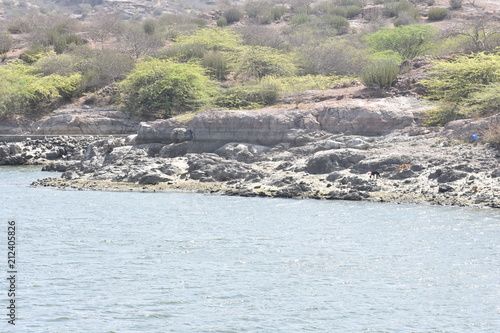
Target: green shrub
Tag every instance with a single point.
(484, 102)
(455, 4)
(23, 90)
(337, 10)
(431, 2)
(463, 87)
(248, 96)
(185, 52)
(5, 43)
(150, 27)
(216, 64)
(301, 19)
(442, 115)
(232, 15)
(455, 80)
(161, 88)
(492, 135)
(278, 11)
(34, 53)
(338, 23)
(335, 56)
(352, 11)
(396, 7)
(222, 22)
(380, 73)
(409, 41)
(437, 14)
(260, 61)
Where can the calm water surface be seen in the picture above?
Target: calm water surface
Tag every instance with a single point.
(179, 262)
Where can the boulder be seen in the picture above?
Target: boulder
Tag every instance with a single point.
(368, 117)
(333, 160)
(87, 122)
(162, 131)
(263, 127)
(242, 152)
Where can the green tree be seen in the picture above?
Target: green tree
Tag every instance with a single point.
(161, 88)
(409, 41)
(23, 90)
(460, 84)
(260, 61)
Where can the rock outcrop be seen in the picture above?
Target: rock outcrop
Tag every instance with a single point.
(73, 121)
(275, 125)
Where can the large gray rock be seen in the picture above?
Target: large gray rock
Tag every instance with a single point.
(367, 117)
(264, 127)
(88, 122)
(333, 160)
(242, 152)
(162, 131)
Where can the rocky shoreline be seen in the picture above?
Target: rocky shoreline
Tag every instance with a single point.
(320, 151)
(298, 172)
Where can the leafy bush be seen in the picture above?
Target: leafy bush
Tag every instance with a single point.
(278, 11)
(150, 27)
(442, 115)
(437, 14)
(232, 15)
(339, 57)
(492, 135)
(352, 11)
(260, 61)
(248, 96)
(396, 7)
(337, 10)
(409, 41)
(380, 73)
(455, 80)
(484, 102)
(465, 86)
(216, 64)
(5, 43)
(340, 24)
(185, 52)
(34, 53)
(222, 22)
(161, 88)
(23, 90)
(301, 19)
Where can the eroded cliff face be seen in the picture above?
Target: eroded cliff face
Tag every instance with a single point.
(276, 125)
(73, 121)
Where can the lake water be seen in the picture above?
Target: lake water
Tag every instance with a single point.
(180, 262)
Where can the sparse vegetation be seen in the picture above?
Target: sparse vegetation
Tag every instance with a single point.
(259, 49)
(437, 14)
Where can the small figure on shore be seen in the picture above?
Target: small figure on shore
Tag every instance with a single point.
(403, 167)
(374, 174)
